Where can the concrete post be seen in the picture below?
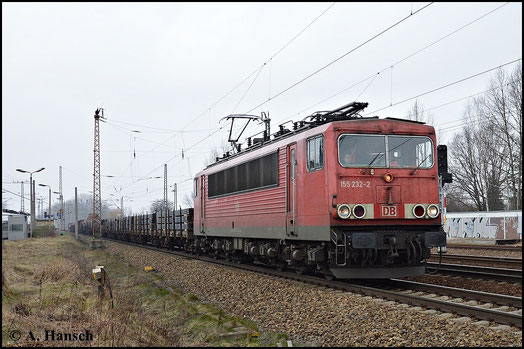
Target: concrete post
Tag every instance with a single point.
(33, 220)
(76, 215)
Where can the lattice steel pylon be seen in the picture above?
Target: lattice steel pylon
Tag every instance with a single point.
(97, 190)
(166, 209)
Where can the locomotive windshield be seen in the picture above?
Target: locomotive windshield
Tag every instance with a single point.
(385, 151)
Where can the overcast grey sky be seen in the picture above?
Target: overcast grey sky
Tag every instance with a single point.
(159, 68)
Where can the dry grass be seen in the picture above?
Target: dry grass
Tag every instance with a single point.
(47, 285)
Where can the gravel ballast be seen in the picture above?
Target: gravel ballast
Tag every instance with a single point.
(314, 315)
(489, 286)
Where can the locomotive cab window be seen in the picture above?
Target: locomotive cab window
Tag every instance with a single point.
(362, 151)
(195, 187)
(405, 151)
(315, 153)
(385, 151)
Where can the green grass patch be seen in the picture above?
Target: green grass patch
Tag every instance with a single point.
(48, 284)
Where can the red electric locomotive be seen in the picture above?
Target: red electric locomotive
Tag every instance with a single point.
(348, 196)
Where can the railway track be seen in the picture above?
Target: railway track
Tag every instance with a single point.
(406, 292)
(485, 273)
(486, 259)
(486, 247)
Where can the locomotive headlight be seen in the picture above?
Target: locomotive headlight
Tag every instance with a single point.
(344, 211)
(388, 177)
(359, 211)
(419, 211)
(433, 211)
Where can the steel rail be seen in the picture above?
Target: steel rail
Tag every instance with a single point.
(485, 247)
(492, 259)
(487, 297)
(486, 273)
(498, 316)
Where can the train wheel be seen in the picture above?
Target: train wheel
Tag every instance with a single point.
(300, 270)
(325, 272)
(281, 266)
(329, 277)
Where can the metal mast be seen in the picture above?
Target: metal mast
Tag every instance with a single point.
(166, 210)
(62, 228)
(22, 209)
(97, 191)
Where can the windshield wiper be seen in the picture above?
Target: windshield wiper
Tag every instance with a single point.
(372, 161)
(416, 169)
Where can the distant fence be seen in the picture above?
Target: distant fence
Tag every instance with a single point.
(499, 225)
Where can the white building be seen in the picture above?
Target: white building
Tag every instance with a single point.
(16, 228)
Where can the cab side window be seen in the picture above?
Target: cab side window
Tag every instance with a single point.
(195, 187)
(315, 153)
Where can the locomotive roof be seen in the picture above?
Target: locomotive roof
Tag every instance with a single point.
(325, 119)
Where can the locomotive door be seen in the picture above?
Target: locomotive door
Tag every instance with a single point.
(202, 202)
(291, 190)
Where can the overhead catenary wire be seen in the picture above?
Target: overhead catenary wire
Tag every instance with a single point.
(445, 86)
(257, 70)
(329, 64)
(270, 60)
(400, 61)
(247, 90)
(160, 130)
(24, 197)
(339, 58)
(374, 76)
(470, 96)
(312, 74)
(365, 88)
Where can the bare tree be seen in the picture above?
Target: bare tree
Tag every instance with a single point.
(158, 205)
(457, 199)
(187, 200)
(486, 156)
(417, 113)
(85, 208)
(212, 157)
(503, 109)
(217, 152)
(114, 213)
(477, 159)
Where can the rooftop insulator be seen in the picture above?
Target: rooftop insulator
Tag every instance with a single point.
(216, 159)
(265, 135)
(249, 142)
(227, 154)
(294, 126)
(238, 147)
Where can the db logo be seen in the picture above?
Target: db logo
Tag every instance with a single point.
(390, 211)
